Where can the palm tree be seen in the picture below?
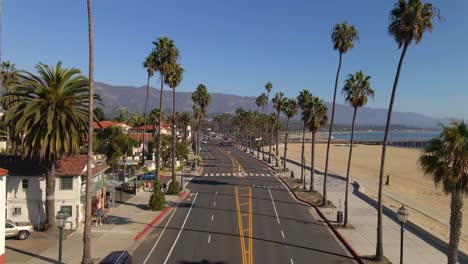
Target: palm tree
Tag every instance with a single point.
(278, 103)
(99, 114)
(409, 20)
(52, 111)
(268, 87)
(272, 125)
(9, 76)
(174, 78)
(290, 110)
(184, 119)
(304, 98)
(149, 65)
(343, 38)
(315, 116)
(166, 55)
(356, 89)
(260, 101)
(202, 99)
(444, 161)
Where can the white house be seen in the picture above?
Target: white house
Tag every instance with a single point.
(3, 174)
(26, 185)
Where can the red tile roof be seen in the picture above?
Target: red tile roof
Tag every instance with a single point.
(139, 137)
(105, 124)
(3, 172)
(151, 127)
(76, 166)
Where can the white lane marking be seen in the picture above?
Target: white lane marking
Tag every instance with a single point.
(209, 239)
(223, 174)
(268, 175)
(187, 182)
(214, 203)
(292, 262)
(160, 235)
(262, 174)
(229, 174)
(217, 174)
(212, 217)
(274, 206)
(256, 174)
(211, 174)
(180, 231)
(282, 233)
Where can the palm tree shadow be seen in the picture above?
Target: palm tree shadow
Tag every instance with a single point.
(202, 262)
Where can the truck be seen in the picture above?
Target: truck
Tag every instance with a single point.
(20, 231)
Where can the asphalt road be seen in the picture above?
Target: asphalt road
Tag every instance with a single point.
(246, 218)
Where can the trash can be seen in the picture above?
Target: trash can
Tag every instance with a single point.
(292, 174)
(339, 217)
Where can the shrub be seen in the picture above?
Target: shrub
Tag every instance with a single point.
(157, 199)
(174, 188)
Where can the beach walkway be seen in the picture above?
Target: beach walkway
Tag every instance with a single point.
(420, 247)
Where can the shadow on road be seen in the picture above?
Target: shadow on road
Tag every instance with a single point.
(32, 254)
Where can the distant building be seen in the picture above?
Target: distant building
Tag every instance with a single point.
(26, 185)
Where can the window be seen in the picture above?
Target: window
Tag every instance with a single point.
(16, 210)
(8, 225)
(67, 209)
(66, 183)
(25, 183)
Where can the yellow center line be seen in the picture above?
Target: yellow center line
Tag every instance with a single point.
(247, 252)
(235, 163)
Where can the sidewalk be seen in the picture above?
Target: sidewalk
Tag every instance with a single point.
(125, 222)
(363, 216)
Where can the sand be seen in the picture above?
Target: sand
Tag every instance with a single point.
(407, 181)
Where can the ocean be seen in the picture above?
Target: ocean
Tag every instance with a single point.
(393, 135)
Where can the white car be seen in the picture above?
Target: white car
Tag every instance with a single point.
(204, 142)
(21, 232)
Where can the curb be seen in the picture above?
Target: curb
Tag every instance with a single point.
(351, 250)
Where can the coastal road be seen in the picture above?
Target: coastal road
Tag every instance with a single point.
(239, 212)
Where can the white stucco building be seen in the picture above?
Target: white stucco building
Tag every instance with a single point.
(3, 174)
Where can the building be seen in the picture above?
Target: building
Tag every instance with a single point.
(26, 185)
(3, 174)
(105, 124)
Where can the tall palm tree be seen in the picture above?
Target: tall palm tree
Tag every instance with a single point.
(444, 161)
(357, 89)
(174, 78)
(409, 20)
(184, 119)
(290, 110)
(202, 99)
(9, 76)
(268, 87)
(149, 65)
(304, 98)
(272, 126)
(343, 38)
(260, 101)
(166, 55)
(315, 116)
(278, 103)
(99, 114)
(89, 173)
(52, 111)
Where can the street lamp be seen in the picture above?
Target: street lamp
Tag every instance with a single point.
(402, 217)
(61, 218)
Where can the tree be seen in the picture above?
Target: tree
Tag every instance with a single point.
(174, 78)
(409, 20)
(315, 116)
(201, 99)
(9, 77)
(278, 103)
(261, 101)
(52, 111)
(184, 119)
(268, 87)
(115, 144)
(272, 124)
(444, 161)
(304, 98)
(343, 38)
(149, 65)
(123, 116)
(356, 89)
(165, 58)
(99, 114)
(290, 110)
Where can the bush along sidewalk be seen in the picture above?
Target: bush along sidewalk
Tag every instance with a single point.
(174, 188)
(157, 199)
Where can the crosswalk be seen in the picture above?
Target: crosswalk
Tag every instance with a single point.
(238, 174)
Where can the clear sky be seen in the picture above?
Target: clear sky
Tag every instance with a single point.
(236, 46)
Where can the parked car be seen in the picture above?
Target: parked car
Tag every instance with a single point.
(117, 257)
(21, 232)
(204, 142)
(145, 177)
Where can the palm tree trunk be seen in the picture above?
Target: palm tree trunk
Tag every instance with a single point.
(330, 134)
(8, 140)
(263, 141)
(302, 155)
(185, 133)
(158, 136)
(50, 195)
(86, 259)
(456, 216)
(277, 136)
(270, 143)
(312, 163)
(379, 255)
(174, 179)
(285, 144)
(345, 223)
(144, 120)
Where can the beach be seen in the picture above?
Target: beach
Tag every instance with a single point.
(407, 181)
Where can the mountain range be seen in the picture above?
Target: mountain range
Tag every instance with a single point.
(133, 98)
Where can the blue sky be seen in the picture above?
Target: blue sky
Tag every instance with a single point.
(237, 46)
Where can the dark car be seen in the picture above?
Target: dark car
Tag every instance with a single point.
(145, 177)
(117, 257)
